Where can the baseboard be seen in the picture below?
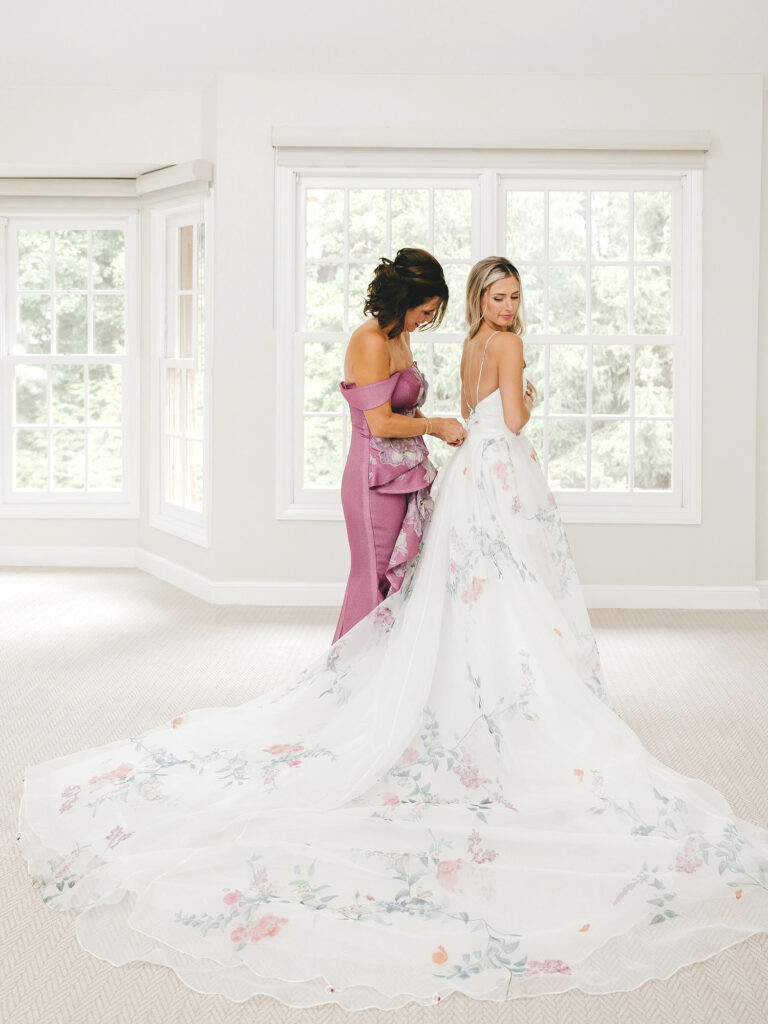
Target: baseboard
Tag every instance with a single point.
(177, 575)
(74, 557)
(330, 595)
(639, 596)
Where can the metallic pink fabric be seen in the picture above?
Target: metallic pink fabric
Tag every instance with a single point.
(384, 493)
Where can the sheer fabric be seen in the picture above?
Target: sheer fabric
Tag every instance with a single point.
(445, 801)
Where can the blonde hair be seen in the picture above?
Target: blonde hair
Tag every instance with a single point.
(485, 273)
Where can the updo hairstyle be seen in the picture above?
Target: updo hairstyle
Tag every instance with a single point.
(403, 283)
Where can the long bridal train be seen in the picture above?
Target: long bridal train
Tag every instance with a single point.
(446, 801)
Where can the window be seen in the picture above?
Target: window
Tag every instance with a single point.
(608, 261)
(181, 368)
(347, 228)
(598, 272)
(70, 366)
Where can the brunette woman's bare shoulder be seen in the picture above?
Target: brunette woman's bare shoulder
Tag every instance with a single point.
(368, 338)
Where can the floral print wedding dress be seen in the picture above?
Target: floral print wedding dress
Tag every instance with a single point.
(446, 801)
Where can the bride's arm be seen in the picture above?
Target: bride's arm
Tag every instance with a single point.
(517, 411)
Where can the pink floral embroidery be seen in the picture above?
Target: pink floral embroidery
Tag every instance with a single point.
(468, 772)
(121, 772)
(471, 593)
(117, 835)
(448, 873)
(479, 856)
(233, 897)
(500, 472)
(686, 861)
(65, 870)
(390, 799)
(642, 877)
(281, 748)
(410, 755)
(260, 880)
(547, 967)
(265, 928)
(418, 512)
(516, 504)
(70, 795)
(383, 619)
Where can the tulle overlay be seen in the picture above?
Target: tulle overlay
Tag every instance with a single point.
(446, 801)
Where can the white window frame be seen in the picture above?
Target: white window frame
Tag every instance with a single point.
(64, 214)
(196, 207)
(683, 503)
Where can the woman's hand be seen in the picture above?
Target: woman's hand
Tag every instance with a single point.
(530, 395)
(447, 429)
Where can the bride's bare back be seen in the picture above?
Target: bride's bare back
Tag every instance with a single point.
(493, 362)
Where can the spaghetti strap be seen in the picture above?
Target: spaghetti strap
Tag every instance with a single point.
(482, 363)
(473, 408)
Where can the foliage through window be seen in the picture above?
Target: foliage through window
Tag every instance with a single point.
(71, 346)
(598, 263)
(607, 264)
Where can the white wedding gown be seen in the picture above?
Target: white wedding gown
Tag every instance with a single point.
(446, 801)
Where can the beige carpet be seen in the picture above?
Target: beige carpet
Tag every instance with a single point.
(89, 656)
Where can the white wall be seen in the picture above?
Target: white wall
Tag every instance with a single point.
(96, 131)
(230, 124)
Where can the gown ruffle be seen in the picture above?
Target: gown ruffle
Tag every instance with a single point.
(397, 465)
(445, 801)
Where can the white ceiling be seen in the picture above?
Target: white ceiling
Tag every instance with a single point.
(184, 43)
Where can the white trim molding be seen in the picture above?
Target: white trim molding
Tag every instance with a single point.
(405, 136)
(330, 595)
(165, 217)
(170, 177)
(127, 186)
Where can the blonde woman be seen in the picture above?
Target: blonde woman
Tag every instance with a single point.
(494, 314)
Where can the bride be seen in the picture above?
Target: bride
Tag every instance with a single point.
(445, 801)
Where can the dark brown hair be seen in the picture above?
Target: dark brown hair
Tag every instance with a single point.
(400, 284)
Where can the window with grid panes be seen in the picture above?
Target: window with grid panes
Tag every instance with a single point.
(347, 228)
(610, 303)
(70, 354)
(597, 268)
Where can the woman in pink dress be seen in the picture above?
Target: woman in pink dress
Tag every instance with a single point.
(388, 475)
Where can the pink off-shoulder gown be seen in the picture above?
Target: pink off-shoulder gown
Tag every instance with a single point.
(384, 494)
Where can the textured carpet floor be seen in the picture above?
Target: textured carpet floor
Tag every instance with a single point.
(89, 656)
